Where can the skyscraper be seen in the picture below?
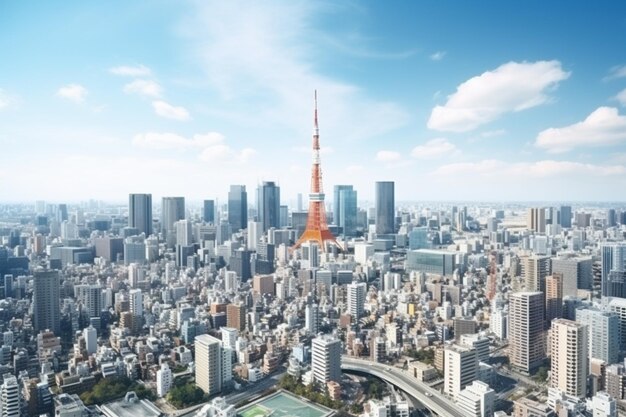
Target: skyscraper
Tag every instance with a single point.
(208, 211)
(356, 299)
(46, 310)
(604, 333)
(140, 212)
(326, 359)
(536, 219)
(385, 207)
(10, 401)
(570, 359)
(461, 364)
(208, 361)
(237, 207)
(554, 298)
(526, 337)
(613, 269)
(268, 205)
(566, 216)
(172, 210)
(535, 269)
(345, 209)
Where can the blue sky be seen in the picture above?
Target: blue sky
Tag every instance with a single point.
(449, 99)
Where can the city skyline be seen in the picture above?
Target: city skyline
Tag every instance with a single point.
(446, 117)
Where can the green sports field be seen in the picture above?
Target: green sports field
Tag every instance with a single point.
(255, 411)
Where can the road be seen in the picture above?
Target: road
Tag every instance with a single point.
(431, 398)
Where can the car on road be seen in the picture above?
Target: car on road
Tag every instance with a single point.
(428, 394)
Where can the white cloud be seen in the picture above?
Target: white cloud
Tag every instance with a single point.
(154, 140)
(434, 148)
(438, 56)
(211, 146)
(509, 88)
(502, 171)
(603, 127)
(267, 72)
(131, 71)
(168, 111)
(73, 92)
(388, 156)
(147, 88)
(621, 97)
(618, 71)
(4, 100)
(541, 169)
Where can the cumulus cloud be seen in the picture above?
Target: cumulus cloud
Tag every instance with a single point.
(388, 156)
(434, 148)
(131, 71)
(211, 146)
(512, 87)
(605, 126)
(168, 111)
(73, 92)
(438, 56)
(142, 87)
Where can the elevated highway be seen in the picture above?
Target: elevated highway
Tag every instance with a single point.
(431, 398)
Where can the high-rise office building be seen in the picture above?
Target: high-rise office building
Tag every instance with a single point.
(164, 380)
(526, 337)
(311, 318)
(536, 219)
(268, 205)
(554, 297)
(535, 269)
(604, 333)
(613, 279)
(140, 212)
(136, 302)
(172, 210)
(566, 216)
(236, 316)
(570, 359)
(577, 273)
(356, 299)
(208, 362)
(208, 211)
(385, 207)
(255, 231)
(240, 264)
(326, 359)
(611, 218)
(461, 364)
(477, 400)
(46, 310)
(237, 207)
(345, 209)
(91, 339)
(184, 234)
(10, 398)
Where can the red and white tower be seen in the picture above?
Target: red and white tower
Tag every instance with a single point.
(316, 225)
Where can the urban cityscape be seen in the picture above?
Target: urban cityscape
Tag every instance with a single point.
(334, 265)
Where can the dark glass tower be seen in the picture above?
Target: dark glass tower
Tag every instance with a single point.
(385, 207)
(345, 208)
(140, 212)
(268, 205)
(208, 211)
(238, 207)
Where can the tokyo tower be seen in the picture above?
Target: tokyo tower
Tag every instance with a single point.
(316, 225)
